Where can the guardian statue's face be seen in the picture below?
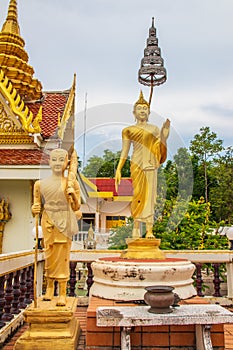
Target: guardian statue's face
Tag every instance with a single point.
(58, 161)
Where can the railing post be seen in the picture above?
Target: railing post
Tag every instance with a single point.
(22, 304)
(229, 267)
(28, 286)
(199, 280)
(89, 277)
(73, 280)
(2, 300)
(7, 316)
(217, 281)
(16, 293)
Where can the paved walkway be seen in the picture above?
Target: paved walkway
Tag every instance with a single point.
(81, 315)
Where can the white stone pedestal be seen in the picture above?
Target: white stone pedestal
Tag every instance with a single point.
(126, 279)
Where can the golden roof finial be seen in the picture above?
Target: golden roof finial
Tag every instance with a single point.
(14, 58)
(11, 24)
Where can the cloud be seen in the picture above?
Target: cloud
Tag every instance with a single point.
(103, 42)
(218, 110)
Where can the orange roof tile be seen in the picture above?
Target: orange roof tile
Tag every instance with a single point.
(52, 104)
(23, 157)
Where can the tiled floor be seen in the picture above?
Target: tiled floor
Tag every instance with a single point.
(81, 315)
(228, 333)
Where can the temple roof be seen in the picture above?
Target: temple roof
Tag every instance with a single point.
(23, 157)
(31, 120)
(53, 106)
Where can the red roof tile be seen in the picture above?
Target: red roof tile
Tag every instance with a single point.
(52, 104)
(108, 185)
(23, 157)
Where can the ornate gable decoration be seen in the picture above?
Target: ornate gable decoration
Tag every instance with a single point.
(68, 112)
(16, 121)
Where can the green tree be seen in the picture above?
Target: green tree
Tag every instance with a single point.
(221, 194)
(198, 179)
(176, 177)
(206, 146)
(178, 227)
(118, 236)
(105, 166)
(184, 173)
(94, 163)
(169, 172)
(192, 229)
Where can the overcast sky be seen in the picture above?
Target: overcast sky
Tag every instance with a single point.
(102, 41)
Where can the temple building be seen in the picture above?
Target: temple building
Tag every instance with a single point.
(32, 122)
(104, 208)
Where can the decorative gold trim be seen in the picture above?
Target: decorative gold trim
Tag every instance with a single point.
(69, 108)
(122, 198)
(100, 194)
(15, 139)
(17, 105)
(88, 182)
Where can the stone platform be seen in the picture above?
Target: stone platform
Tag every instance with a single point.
(163, 337)
(50, 326)
(126, 279)
(201, 316)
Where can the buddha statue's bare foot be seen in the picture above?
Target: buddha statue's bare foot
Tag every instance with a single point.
(61, 301)
(150, 235)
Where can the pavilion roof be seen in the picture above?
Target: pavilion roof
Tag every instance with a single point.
(105, 184)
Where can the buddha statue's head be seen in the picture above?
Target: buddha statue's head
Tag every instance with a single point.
(141, 108)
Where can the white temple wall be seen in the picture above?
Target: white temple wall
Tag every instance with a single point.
(18, 230)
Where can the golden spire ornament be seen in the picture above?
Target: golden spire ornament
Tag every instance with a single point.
(11, 23)
(14, 58)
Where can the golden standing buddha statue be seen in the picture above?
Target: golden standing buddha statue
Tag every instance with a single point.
(149, 152)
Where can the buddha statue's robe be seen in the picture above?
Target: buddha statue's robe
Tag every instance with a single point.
(58, 223)
(148, 154)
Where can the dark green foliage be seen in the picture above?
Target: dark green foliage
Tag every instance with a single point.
(118, 236)
(206, 147)
(182, 226)
(106, 165)
(221, 191)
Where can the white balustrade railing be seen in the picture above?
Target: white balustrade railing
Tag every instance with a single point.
(22, 261)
